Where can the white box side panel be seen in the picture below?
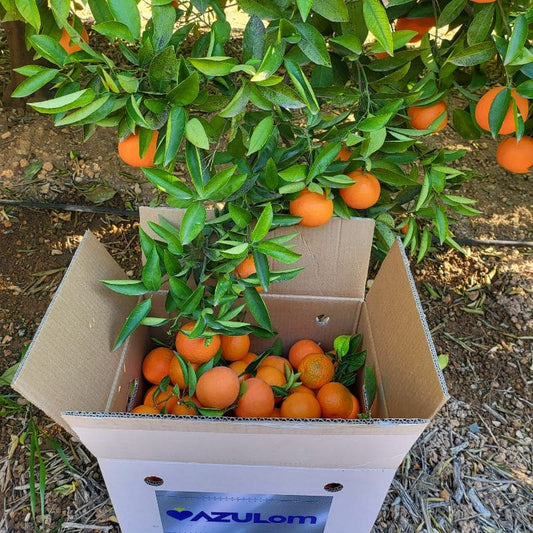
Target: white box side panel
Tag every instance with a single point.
(353, 509)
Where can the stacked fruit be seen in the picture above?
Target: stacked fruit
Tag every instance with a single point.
(218, 375)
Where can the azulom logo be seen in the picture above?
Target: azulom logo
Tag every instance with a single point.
(256, 518)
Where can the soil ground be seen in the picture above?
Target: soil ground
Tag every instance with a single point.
(470, 471)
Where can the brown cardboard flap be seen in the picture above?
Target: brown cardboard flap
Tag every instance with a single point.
(69, 364)
(305, 317)
(411, 380)
(304, 443)
(335, 256)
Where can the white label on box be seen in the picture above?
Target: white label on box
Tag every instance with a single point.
(214, 512)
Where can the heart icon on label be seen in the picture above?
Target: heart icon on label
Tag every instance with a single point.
(179, 515)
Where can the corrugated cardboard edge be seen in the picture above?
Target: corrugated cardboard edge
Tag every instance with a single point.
(49, 374)
(395, 331)
(424, 322)
(357, 443)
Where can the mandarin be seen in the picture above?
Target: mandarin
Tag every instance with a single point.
(145, 410)
(128, 150)
(70, 46)
(485, 102)
(422, 117)
(257, 399)
(421, 25)
(302, 348)
(364, 193)
(316, 369)
(315, 209)
(156, 364)
(198, 350)
(300, 406)
(218, 387)
(234, 347)
(335, 400)
(516, 156)
(160, 400)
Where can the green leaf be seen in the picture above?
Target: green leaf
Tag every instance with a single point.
(216, 187)
(369, 387)
(64, 103)
(60, 10)
(474, 55)
(194, 165)
(525, 89)
(100, 10)
(214, 65)
(264, 223)
(465, 125)
(441, 223)
(237, 103)
(498, 110)
(313, 44)
(323, 159)
(374, 141)
(261, 134)
(78, 116)
(281, 95)
(130, 287)
(163, 69)
(481, 27)
(151, 271)
(114, 30)
(444, 359)
(304, 7)
(7, 377)
(257, 307)
(168, 183)
(193, 222)
(169, 236)
(262, 269)
(333, 10)
(191, 304)
(187, 91)
(49, 48)
(350, 42)
(518, 39)
(239, 215)
(272, 60)
(195, 133)
(174, 133)
(30, 12)
(34, 83)
(179, 289)
(302, 85)
(378, 23)
(450, 12)
(127, 12)
(425, 243)
(278, 252)
(163, 18)
(263, 10)
(253, 40)
(138, 313)
(424, 192)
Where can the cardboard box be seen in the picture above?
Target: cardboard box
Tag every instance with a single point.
(189, 474)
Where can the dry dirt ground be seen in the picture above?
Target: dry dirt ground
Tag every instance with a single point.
(470, 471)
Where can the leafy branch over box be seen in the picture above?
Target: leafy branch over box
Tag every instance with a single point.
(316, 96)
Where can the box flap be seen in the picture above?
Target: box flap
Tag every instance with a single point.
(411, 379)
(69, 364)
(304, 443)
(346, 245)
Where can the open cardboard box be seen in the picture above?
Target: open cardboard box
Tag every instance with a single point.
(167, 473)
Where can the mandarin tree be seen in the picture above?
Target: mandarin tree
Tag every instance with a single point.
(314, 92)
